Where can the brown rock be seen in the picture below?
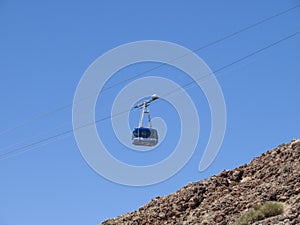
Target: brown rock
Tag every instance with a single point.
(222, 199)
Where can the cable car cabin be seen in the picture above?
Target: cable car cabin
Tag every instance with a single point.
(144, 136)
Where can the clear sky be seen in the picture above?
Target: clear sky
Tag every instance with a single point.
(45, 48)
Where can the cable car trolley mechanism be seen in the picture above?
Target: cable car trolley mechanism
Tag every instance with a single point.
(145, 136)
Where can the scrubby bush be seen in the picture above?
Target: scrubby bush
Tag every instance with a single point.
(287, 168)
(260, 212)
(271, 209)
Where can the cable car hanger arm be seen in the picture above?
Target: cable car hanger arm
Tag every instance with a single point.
(146, 103)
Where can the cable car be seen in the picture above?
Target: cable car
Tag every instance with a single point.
(145, 136)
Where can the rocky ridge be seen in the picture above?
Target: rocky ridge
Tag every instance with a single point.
(223, 198)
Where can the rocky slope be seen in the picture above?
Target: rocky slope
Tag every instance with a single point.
(224, 198)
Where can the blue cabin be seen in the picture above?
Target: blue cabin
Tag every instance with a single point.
(144, 136)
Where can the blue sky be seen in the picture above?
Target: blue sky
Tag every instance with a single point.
(47, 46)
